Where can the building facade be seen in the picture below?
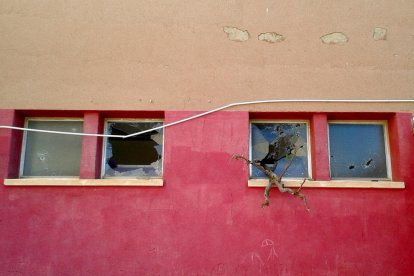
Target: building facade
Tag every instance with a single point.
(167, 94)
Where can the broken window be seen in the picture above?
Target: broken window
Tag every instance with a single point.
(358, 150)
(51, 155)
(274, 144)
(136, 156)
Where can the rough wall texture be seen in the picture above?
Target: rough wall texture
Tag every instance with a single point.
(173, 56)
(206, 221)
(236, 34)
(334, 38)
(271, 37)
(380, 33)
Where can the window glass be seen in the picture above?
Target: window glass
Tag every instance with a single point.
(46, 154)
(273, 143)
(357, 150)
(137, 156)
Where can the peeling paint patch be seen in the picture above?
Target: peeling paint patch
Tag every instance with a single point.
(271, 37)
(334, 38)
(235, 34)
(380, 33)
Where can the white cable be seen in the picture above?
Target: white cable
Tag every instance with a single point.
(212, 111)
(61, 132)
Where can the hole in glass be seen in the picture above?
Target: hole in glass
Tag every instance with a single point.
(357, 150)
(137, 156)
(273, 145)
(47, 154)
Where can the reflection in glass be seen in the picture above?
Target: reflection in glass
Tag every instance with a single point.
(47, 154)
(272, 144)
(357, 150)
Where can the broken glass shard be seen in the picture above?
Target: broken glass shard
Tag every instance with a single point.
(274, 145)
(136, 156)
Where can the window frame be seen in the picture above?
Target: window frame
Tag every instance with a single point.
(387, 151)
(91, 157)
(289, 121)
(24, 142)
(105, 141)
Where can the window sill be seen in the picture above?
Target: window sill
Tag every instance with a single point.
(332, 184)
(150, 182)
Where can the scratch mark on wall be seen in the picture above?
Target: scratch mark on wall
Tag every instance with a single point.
(272, 253)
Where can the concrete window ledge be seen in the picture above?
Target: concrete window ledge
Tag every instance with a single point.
(333, 184)
(150, 182)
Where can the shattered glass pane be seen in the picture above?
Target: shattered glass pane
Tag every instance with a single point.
(47, 154)
(273, 145)
(137, 156)
(357, 151)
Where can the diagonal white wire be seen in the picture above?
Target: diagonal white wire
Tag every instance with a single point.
(212, 111)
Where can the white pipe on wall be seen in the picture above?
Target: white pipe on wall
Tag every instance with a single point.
(215, 110)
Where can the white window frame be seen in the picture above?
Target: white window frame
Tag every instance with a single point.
(23, 148)
(387, 148)
(105, 141)
(307, 122)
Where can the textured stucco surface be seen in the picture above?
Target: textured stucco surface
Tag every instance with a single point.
(135, 55)
(335, 38)
(235, 34)
(271, 37)
(380, 33)
(205, 220)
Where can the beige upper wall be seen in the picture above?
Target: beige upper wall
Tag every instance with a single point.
(174, 55)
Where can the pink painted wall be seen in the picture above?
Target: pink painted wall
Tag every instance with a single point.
(205, 220)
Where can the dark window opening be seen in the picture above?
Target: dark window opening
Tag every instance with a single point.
(137, 156)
